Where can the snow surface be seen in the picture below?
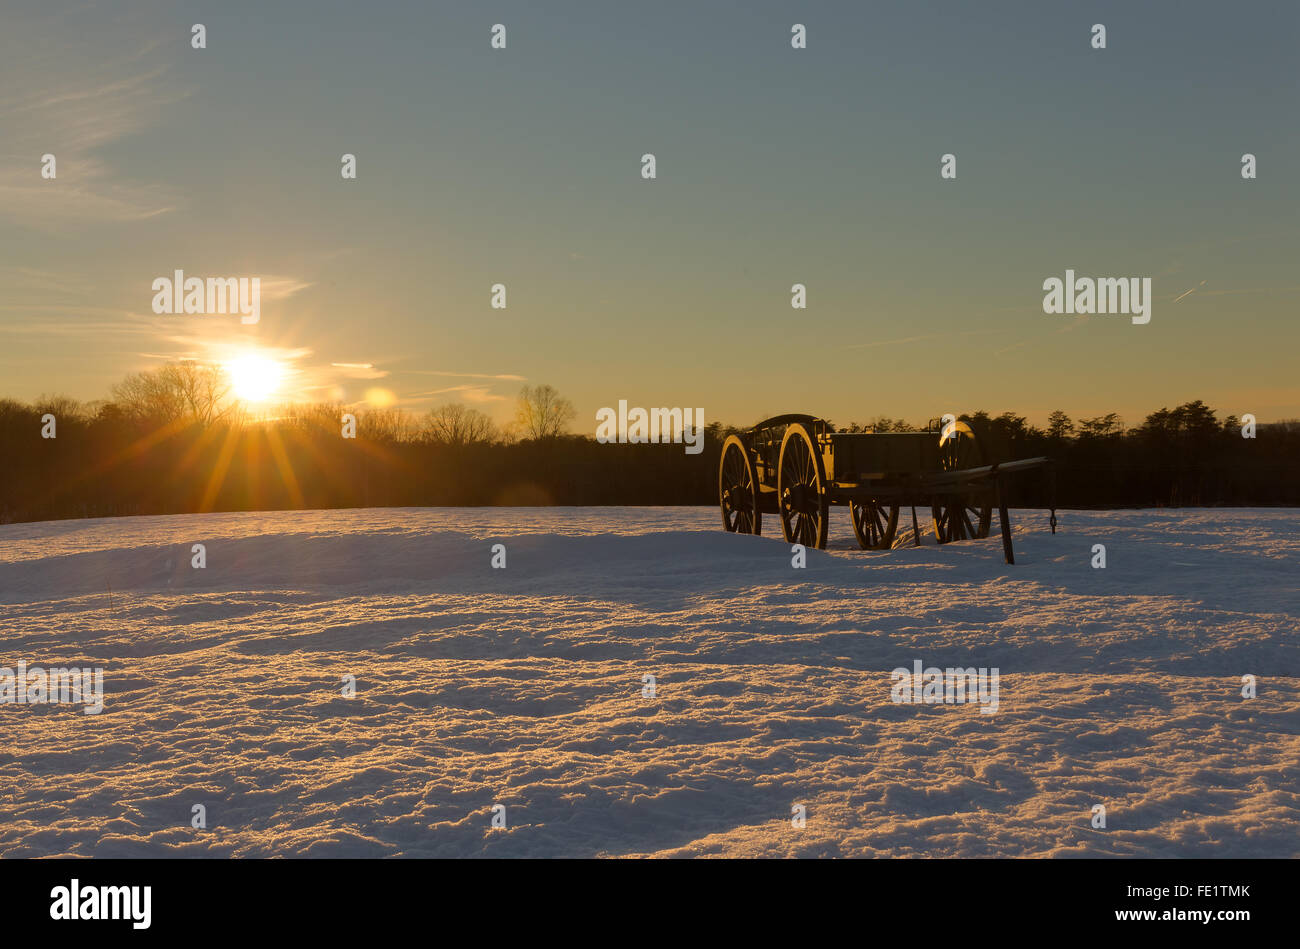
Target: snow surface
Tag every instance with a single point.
(523, 687)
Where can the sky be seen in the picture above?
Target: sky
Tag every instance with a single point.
(774, 166)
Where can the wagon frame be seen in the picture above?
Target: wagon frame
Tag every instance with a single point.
(797, 467)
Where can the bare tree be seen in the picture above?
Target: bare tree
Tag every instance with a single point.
(174, 392)
(202, 389)
(146, 395)
(385, 425)
(457, 424)
(62, 407)
(541, 412)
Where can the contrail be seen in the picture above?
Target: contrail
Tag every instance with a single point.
(1193, 290)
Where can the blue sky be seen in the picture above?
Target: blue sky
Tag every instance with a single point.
(775, 166)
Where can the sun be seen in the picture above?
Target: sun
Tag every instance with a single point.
(254, 377)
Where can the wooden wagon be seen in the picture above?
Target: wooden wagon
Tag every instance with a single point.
(797, 466)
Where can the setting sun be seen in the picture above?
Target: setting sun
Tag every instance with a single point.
(255, 378)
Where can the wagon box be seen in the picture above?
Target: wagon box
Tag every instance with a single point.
(857, 456)
(797, 466)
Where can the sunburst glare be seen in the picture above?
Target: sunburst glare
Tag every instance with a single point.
(255, 377)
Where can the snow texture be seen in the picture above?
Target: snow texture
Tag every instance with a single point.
(523, 687)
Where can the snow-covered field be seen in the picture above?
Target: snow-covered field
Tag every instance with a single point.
(523, 687)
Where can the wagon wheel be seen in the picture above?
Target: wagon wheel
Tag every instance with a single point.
(874, 523)
(960, 517)
(801, 489)
(737, 489)
(967, 514)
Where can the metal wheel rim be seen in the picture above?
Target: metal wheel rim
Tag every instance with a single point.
(800, 477)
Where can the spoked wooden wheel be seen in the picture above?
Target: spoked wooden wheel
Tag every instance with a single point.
(801, 489)
(964, 515)
(874, 524)
(961, 517)
(737, 490)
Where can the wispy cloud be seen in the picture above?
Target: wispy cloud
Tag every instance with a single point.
(69, 98)
(359, 370)
(466, 375)
(38, 302)
(279, 288)
(470, 393)
(79, 322)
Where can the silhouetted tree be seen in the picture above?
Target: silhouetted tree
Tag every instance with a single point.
(541, 412)
(182, 391)
(151, 453)
(457, 424)
(1059, 426)
(1103, 426)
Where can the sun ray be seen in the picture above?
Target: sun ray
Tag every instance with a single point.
(283, 463)
(218, 475)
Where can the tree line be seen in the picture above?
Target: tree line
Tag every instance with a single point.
(172, 441)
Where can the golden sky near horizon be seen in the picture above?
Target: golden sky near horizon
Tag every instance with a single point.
(774, 167)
